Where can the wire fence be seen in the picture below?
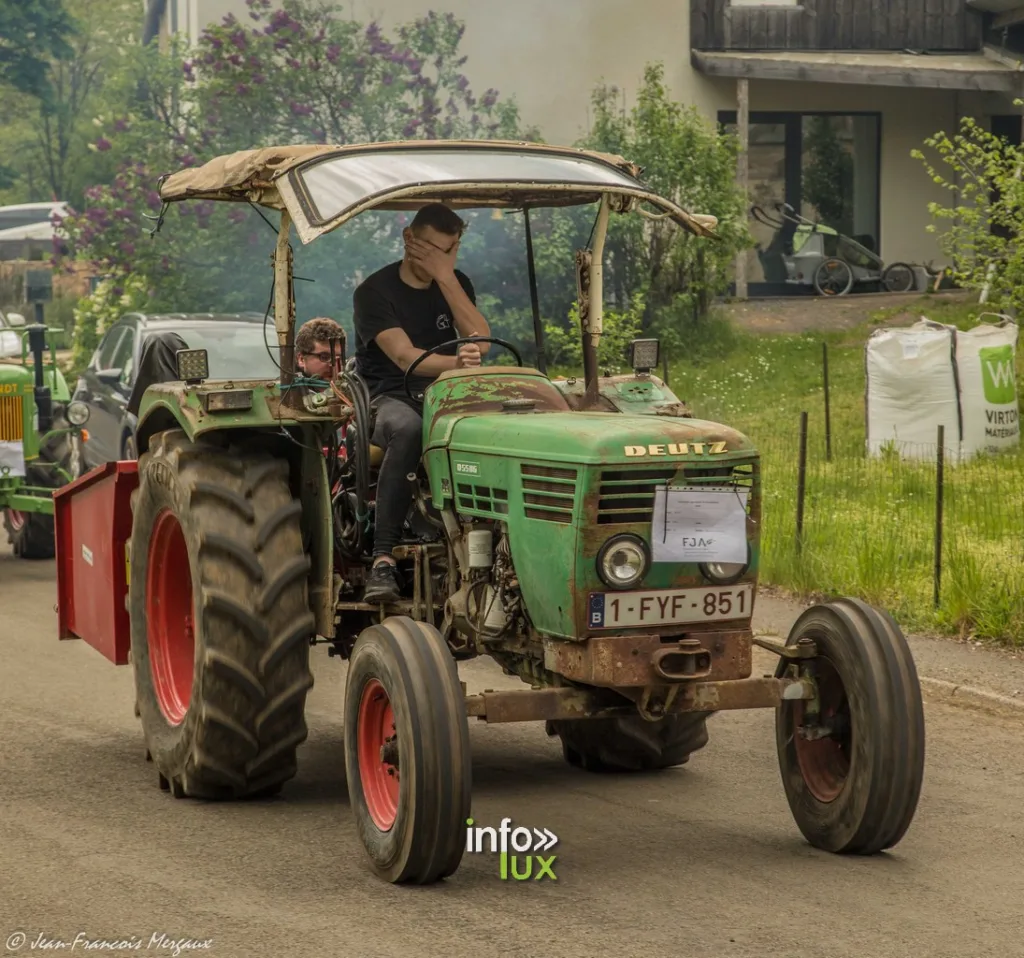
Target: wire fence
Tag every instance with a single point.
(931, 538)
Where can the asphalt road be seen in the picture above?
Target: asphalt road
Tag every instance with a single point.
(699, 861)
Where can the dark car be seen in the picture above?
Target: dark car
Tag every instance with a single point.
(237, 346)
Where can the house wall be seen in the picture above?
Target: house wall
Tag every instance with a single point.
(550, 54)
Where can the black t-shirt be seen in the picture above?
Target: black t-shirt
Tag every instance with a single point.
(384, 301)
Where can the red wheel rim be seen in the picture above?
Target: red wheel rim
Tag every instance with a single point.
(169, 618)
(378, 755)
(16, 519)
(825, 763)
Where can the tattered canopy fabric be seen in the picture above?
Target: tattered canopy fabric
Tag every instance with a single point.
(323, 186)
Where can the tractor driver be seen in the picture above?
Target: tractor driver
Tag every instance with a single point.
(401, 311)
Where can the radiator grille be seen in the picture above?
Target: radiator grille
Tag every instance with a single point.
(549, 493)
(483, 499)
(626, 496)
(12, 426)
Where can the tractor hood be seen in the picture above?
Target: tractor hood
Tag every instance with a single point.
(587, 438)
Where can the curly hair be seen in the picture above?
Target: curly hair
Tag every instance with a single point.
(319, 330)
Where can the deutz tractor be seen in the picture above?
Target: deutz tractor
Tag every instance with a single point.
(591, 537)
(37, 418)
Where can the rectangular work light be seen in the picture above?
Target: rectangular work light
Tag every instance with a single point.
(643, 355)
(193, 365)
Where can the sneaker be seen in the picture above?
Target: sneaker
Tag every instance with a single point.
(382, 584)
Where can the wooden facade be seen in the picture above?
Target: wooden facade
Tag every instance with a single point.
(936, 25)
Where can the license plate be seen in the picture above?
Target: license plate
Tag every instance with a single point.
(638, 610)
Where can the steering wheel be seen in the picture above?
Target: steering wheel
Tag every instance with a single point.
(457, 343)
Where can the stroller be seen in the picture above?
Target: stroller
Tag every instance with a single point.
(805, 253)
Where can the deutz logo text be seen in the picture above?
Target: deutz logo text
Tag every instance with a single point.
(678, 449)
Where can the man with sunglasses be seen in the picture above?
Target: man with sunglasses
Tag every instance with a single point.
(401, 311)
(313, 348)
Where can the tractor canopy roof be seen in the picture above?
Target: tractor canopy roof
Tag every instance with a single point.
(322, 187)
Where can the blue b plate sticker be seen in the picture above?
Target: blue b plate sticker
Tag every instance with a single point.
(596, 610)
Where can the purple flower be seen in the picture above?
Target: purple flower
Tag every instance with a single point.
(118, 291)
(345, 104)
(238, 39)
(216, 43)
(241, 88)
(103, 144)
(235, 60)
(186, 68)
(387, 79)
(187, 160)
(300, 109)
(279, 20)
(333, 52)
(258, 78)
(153, 200)
(127, 248)
(489, 99)
(293, 63)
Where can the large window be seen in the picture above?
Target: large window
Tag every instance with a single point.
(824, 165)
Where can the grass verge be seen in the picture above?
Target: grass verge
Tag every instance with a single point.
(869, 524)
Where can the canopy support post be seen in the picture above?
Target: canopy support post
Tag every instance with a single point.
(284, 301)
(592, 303)
(538, 326)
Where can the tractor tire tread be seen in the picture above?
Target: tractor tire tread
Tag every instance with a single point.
(631, 743)
(242, 525)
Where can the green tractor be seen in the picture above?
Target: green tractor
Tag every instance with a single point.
(36, 452)
(591, 537)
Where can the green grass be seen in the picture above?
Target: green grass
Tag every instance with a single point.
(869, 524)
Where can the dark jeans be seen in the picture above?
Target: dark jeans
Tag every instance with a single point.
(399, 432)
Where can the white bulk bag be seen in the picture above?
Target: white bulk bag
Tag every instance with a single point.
(911, 390)
(986, 359)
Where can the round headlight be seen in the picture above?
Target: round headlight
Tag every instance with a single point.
(725, 573)
(622, 562)
(78, 413)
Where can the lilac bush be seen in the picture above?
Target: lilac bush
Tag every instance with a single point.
(300, 73)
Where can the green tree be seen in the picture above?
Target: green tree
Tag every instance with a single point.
(685, 158)
(980, 226)
(31, 33)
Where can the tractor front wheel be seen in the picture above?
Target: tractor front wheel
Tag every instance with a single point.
(407, 756)
(852, 761)
(632, 743)
(220, 618)
(31, 533)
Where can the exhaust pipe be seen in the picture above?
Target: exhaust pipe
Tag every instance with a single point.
(37, 346)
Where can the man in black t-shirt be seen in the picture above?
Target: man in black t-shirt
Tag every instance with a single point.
(401, 311)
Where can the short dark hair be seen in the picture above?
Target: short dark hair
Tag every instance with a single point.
(319, 330)
(441, 218)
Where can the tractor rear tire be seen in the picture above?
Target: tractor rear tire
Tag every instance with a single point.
(220, 618)
(31, 534)
(407, 753)
(631, 743)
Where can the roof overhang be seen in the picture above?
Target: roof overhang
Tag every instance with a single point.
(966, 71)
(323, 187)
